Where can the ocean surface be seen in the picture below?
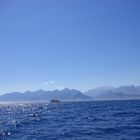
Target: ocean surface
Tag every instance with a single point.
(92, 120)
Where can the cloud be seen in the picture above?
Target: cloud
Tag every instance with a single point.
(46, 83)
(51, 85)
(61, 88)
(52, 82)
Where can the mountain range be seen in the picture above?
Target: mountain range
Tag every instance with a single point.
(101, 93)
(40, 95)
(112, 93)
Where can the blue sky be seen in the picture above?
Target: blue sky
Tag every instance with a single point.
(82, 44)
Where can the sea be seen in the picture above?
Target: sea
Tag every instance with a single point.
(81, 120)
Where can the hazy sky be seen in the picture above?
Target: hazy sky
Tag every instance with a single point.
(69, 43)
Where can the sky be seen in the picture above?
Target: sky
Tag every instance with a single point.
(80, 44)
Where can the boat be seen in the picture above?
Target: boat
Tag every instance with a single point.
(55, 101)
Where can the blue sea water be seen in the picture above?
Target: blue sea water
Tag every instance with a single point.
(92, 120)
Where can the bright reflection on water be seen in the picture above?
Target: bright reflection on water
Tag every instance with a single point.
(102, 120)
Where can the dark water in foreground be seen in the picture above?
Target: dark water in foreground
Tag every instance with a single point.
(100, 120)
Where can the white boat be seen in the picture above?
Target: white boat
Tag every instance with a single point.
(55, 101)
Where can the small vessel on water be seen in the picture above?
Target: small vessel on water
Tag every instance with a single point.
(55, 101)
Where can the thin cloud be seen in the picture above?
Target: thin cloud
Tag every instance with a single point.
(52, 82)
(46, 83)
(61, 88)
(51, 85)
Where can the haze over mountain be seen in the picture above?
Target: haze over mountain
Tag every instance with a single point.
(123, 92)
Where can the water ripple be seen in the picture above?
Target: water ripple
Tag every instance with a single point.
(106, 120)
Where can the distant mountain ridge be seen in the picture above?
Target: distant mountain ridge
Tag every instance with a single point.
(123, 92)
(65, 94)
(101, 93)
